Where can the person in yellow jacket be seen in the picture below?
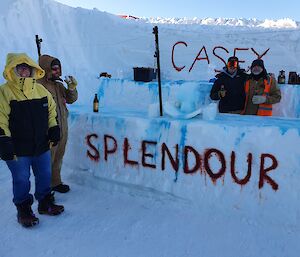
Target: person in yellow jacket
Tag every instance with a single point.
(261, 91)
(27, 128)
(54, 84)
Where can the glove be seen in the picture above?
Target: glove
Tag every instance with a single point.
(54, 135)
(259, 99)
(71, 82)
(7, 152)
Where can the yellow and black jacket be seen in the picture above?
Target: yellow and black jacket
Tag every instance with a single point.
(27, 111)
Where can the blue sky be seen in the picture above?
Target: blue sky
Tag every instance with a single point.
(261, 9)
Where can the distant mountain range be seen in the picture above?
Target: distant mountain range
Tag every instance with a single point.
(252, 23)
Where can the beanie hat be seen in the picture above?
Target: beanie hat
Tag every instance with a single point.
(258, 62)
(233, 59)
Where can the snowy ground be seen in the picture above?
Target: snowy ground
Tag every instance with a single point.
(108, 219)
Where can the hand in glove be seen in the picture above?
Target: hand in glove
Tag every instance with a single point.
(259, 99)
(7, 152)
(54, 135)
(71, 82)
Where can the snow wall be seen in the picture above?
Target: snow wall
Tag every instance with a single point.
(120, 95)
(247, 163)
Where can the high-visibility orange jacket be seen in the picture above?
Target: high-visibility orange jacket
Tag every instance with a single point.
(264, 87)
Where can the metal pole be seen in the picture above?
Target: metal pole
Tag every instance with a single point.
(38, 42)
(155, 32)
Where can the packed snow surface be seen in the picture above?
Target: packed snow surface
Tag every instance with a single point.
(106, 219)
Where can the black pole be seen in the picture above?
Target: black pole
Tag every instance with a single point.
(155, 32)
(38, 42)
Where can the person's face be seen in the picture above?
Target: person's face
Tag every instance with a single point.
(23, 71)
(55, 71)
(256, 70)
(232, 69)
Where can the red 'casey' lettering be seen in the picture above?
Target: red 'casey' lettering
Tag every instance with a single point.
(204, 56)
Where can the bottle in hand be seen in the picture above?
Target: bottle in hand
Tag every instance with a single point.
(96, 104)
(222, 92)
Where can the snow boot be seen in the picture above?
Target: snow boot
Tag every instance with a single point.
(47, 206)
(25, 214)
(61, 188)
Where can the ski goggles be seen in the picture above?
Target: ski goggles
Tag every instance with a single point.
(232, 64)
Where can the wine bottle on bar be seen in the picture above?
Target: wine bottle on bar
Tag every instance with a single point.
(281, 77)
(96, 104)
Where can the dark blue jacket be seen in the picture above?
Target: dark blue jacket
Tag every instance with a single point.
(234, 99)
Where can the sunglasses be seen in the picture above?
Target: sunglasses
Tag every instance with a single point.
(232, 64)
